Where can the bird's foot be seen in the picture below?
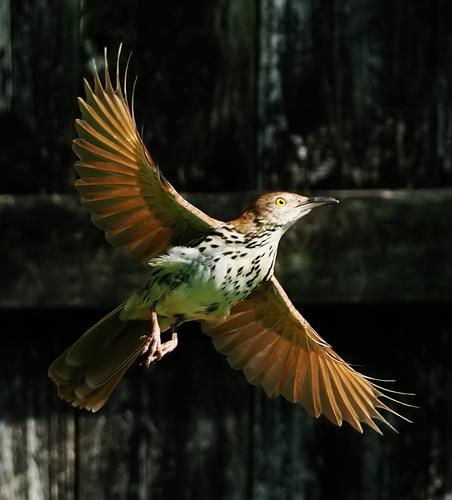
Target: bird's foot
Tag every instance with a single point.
(156, 351)
(154, 348)
(169, 345)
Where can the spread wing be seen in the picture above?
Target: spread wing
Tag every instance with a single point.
(267, 338)
(119, 182)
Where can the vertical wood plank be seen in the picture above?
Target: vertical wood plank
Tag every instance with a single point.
(45, 81)
(191, 427)
(6, 69)
(196, 89)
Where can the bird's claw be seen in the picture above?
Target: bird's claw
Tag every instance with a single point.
(152, 348)
(155, 349)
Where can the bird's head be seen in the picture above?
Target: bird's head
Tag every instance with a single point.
(279, 210)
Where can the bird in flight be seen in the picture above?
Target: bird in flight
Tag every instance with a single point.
(200, 268)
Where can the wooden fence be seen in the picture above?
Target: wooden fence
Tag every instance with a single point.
(232, 95)
(238, 94)
(373, 275)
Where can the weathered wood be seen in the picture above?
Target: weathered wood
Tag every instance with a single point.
(42, 45)
(233, 95)
(6, 64)
(389, 246)
(239, 94)
(192, 428)
(188, 419)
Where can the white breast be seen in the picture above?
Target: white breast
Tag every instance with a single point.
(190, 284)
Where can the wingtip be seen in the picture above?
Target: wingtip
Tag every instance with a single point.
(118, 58)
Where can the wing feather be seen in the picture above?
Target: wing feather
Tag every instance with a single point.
(304, 392)
(119, 182)
(288, 376)
(94, 169)
(255, 355)
(274, 368)
(327, 394)
(267, 338)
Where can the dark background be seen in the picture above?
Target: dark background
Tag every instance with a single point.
(349, 97)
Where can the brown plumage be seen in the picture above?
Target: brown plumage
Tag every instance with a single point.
(201, 269)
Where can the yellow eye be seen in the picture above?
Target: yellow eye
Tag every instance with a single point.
(280, 201)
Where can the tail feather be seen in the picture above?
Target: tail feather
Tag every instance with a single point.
(87, 372)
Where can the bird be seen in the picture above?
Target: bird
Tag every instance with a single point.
(199, 269)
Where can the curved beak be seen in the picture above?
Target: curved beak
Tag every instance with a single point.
(317, 201)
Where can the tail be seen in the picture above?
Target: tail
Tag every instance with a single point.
(87, 372)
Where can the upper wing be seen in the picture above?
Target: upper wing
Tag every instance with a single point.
(274, 345)
(119, 182)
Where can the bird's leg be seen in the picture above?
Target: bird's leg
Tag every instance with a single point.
(152, 338)
(153, 347)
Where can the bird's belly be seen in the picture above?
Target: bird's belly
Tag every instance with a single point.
(210, 293)
(199, 288)
(194, 301)
(184, 285)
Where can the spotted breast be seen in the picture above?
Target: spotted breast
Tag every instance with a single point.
(204, 281)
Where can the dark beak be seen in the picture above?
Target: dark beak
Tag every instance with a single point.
(318, 200)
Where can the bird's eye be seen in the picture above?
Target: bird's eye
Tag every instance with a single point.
(280, 201)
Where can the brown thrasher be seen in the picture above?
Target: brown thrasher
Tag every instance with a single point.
(200, 269)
